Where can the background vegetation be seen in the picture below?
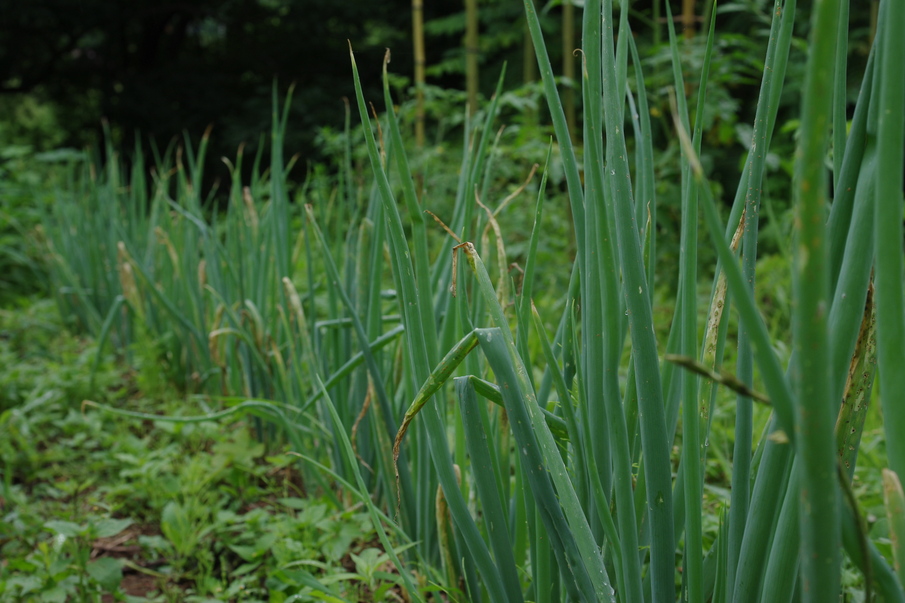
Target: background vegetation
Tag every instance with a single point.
(263, 382)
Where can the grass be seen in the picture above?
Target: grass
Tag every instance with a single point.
(525, 442)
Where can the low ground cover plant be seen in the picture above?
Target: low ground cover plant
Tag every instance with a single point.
(98, 507)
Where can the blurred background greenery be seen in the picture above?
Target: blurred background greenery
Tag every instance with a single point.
(157, 72)
(160, 69)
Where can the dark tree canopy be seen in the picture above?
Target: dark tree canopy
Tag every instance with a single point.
(161, 68)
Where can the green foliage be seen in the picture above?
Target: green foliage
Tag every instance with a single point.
(29, 122)
(27, 182)
(31, 166)
(87, 499)
(525, 430)
(499, 40)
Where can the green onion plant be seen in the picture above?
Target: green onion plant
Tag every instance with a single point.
(403, 361)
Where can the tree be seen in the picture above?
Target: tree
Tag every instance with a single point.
(162, 68)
